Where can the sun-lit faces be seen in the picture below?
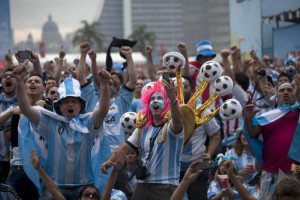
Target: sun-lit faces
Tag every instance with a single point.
(157, 104)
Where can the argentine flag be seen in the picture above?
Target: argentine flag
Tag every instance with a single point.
(257, 145)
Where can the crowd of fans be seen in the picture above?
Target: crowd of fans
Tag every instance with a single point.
(61, 135)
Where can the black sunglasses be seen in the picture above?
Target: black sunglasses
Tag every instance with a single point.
(88, 194)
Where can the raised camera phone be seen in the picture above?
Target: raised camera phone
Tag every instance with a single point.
(24, 54)
(167, 76)
(203, 165)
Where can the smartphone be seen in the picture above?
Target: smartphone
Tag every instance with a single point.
(167, 76)
(24, 54)
(203, 165)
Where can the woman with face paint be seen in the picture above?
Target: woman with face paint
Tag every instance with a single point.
(159, 144)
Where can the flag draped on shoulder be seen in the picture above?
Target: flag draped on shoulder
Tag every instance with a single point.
(256, 144)
(28, 140)
(100, 153)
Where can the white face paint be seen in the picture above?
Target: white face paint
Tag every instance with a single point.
(157, 103)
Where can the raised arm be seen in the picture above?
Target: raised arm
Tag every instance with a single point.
(8, 59)
(150, 65)
(59, 67)
(236, 58)
(183, 50)
(84, 49)
(249, 113)
(25, 107)
(93, 57)
(189, 177)
(127, 51)
(37, 69)
(124, 148)
(176, 115)
(4, 116)
(50, 185)
(118, 165)
(226, 65)
(104, 100)
(237, 183)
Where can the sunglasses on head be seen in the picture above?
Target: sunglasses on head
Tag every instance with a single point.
(89, 194)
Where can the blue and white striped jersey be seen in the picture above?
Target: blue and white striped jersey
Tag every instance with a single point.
(118, 106)
(69, 163)
(163, 164)
(242, 161)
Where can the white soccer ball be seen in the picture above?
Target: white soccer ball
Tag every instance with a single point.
(210, 71)
(147, 86)
(173, 60)
(128, 121)
(230, 109)
(223, 85)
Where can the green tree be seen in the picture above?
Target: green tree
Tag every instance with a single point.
(143, 38)
(88, 33)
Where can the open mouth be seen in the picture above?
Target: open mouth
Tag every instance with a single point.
(172, 67)
(155, 107)
(70, 110)
(8, 84)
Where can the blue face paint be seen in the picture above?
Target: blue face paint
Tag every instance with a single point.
(157, 102)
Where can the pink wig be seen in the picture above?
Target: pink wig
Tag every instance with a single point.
(146, 97)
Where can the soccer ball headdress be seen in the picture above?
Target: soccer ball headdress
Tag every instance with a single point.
(193, 117)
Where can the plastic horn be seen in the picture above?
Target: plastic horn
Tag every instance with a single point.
(204, 119)
(179, 86)
(211, 99)
(201, 88)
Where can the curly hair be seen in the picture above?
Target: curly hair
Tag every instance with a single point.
(146, 98)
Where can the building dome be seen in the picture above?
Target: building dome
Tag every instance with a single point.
(50, 26)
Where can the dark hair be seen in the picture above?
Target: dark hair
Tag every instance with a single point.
(269, 78)
(199, 56)
(287, 187)
(119, 75)
(38, 75)
(87, 186)
(192, 83)
(242, 79)
(283, 74)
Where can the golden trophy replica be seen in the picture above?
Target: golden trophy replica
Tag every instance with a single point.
(210, 72)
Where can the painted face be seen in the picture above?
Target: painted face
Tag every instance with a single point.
(157, 103)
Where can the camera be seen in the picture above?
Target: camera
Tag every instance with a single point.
(141, 172)
(24, 54)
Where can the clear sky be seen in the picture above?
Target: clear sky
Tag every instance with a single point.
(30, 15)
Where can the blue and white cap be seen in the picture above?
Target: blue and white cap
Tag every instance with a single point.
(204, 48)
(69, 88)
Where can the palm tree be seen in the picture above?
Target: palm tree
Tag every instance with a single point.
(88, 33)
(142, 37)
